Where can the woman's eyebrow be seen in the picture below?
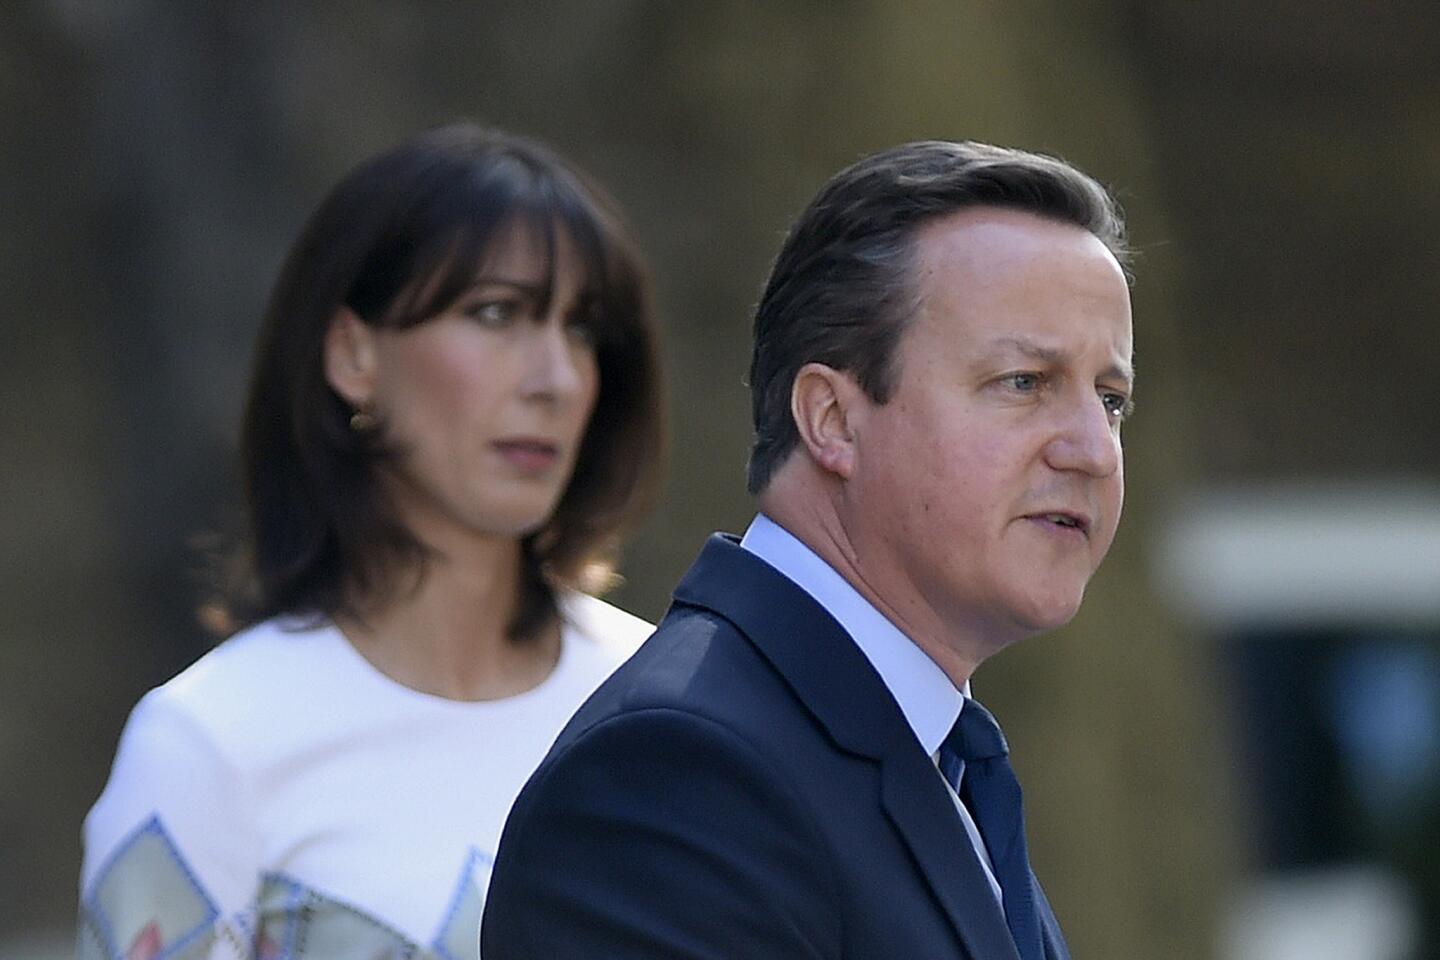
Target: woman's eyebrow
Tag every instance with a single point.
(531, 288)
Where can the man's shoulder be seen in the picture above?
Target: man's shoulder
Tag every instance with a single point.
(697, 663)
(692, 651)
(668, 771)
(698, 691)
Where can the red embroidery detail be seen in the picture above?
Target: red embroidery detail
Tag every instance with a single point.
(147, 945)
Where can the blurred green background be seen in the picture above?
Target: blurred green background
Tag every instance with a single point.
(1280, 165)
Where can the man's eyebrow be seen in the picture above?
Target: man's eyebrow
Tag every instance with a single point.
(1030, 348)
(1123, 370)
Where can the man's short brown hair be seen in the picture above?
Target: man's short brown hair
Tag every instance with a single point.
(840, 292)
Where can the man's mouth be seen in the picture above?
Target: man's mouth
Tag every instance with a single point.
(1064, 519)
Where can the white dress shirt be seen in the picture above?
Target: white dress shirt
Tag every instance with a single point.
(925, 695)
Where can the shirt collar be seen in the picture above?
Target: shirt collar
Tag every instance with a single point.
(926, 697)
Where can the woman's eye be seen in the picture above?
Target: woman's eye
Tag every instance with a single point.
(582, 323)
(492, 313)
(581, 332)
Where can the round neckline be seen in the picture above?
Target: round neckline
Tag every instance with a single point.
(379, 678)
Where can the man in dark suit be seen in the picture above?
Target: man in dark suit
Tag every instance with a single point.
(791, 766)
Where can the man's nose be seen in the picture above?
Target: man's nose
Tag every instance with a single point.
(1087, 440)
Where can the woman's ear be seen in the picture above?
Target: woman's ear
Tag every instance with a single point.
(822, 402)
(350, 360)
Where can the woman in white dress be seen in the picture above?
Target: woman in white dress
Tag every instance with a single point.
(454, 414)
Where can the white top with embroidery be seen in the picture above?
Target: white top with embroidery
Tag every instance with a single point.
(283, 798)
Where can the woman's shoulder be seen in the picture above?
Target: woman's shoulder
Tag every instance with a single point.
(220, 693)
(182, 795)
(613, 631)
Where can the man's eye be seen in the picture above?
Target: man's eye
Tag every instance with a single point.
(1023, 382)
(1117, 405)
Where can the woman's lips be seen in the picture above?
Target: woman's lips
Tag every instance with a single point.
(528, 455)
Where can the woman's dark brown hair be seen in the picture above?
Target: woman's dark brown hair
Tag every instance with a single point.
(398, 241)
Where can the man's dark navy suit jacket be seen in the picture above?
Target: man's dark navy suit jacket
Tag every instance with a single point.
(744, 786)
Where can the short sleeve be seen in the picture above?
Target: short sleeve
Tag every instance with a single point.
(171, 854)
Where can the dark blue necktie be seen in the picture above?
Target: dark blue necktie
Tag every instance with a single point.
(992, 795)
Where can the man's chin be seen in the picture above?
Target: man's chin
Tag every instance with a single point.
(1052, 612)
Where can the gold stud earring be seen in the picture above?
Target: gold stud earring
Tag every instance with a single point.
(363, 421)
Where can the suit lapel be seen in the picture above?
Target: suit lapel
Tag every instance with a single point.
(832, 678)
(814, 655)
(924, 814)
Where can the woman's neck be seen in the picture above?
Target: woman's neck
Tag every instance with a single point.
(447, 634)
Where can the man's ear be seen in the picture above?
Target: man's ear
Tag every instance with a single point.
(350, 360)
(823, 402)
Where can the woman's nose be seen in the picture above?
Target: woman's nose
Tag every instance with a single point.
(556, 363)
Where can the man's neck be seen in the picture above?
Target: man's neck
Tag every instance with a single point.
(814, 521)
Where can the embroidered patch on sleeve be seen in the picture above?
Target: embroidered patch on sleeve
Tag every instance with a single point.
(459, 936)
(146, 903)
(297, 923)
